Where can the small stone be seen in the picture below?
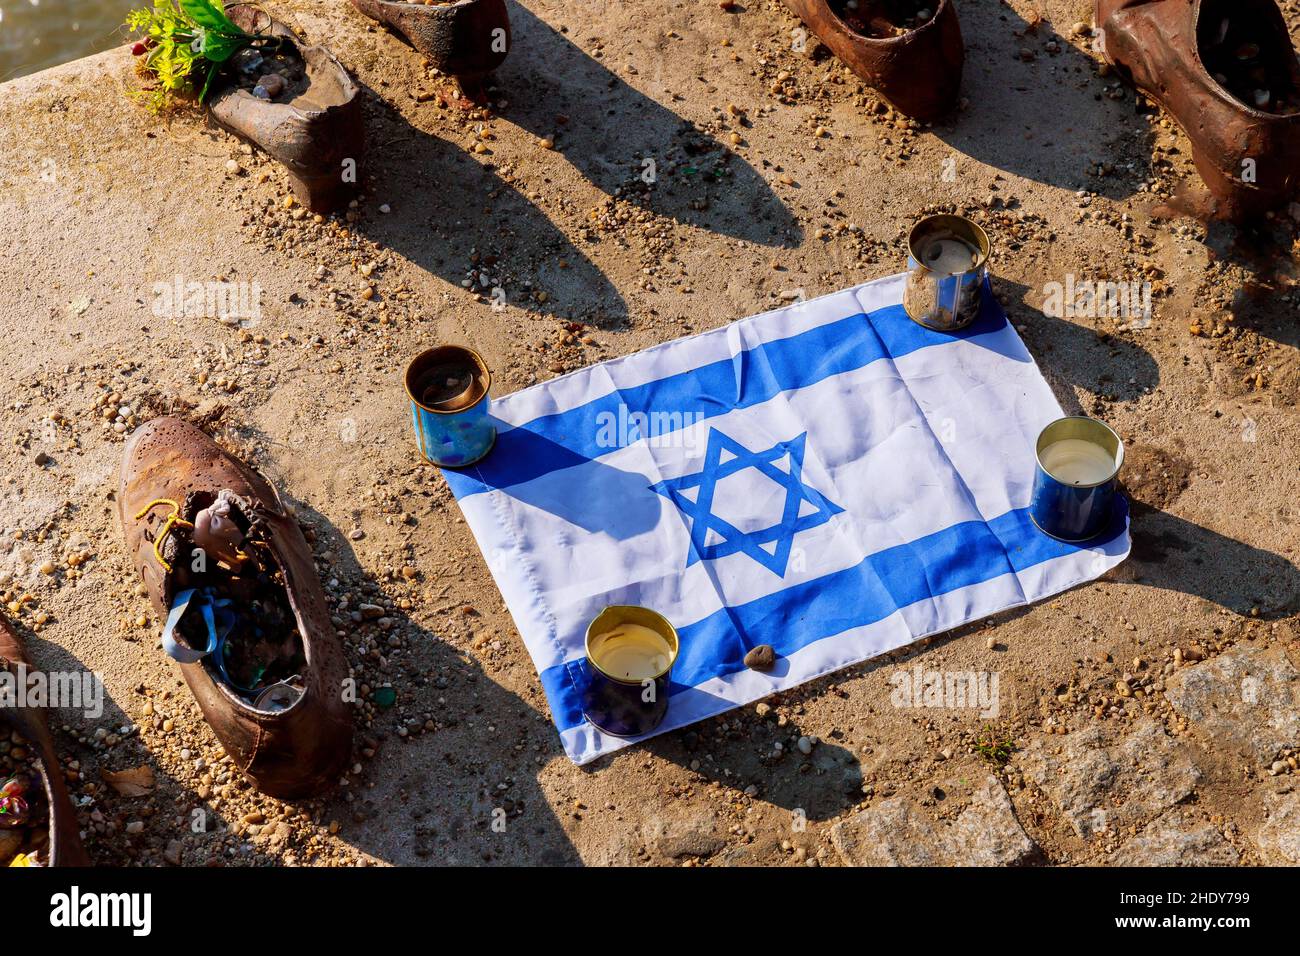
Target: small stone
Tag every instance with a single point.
(233, 167)
(761, 658)
(134, 827)
(41, 459)
(385, 208)
(273, 83)
(805, 745)
(173, 852)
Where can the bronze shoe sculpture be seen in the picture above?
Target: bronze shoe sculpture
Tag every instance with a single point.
(909, 51)
(467, 39)
(21, 796)
(1225, 70)
(222, 558)
(296, 102)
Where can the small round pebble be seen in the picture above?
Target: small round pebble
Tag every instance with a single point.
(273, 83)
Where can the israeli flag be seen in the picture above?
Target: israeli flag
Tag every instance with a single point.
(830, 478)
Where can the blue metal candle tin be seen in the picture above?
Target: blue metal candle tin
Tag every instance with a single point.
(452, 425)
(619, 707)
(1068, 509)
(934, 297)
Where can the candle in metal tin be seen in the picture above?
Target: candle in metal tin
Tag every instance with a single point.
(947, 259)
(630, 653)
(448, 388)
(1077, 472)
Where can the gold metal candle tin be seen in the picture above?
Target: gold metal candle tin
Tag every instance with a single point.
(631, 699)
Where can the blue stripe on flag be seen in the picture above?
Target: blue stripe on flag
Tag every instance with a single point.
(959, 556)
(564, 439)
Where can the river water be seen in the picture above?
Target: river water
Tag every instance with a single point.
(36, 34)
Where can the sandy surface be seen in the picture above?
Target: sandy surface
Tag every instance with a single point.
(814, 191)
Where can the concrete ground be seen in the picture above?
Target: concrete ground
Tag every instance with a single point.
(1150, 717)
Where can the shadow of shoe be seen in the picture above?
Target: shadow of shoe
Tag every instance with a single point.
(453, 761)
(444, 231)
(1038, 110)
(626, 143)
(96, 740)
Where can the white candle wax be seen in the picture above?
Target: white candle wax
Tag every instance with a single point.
(1076, 461)
(631, 652)
(948, 256)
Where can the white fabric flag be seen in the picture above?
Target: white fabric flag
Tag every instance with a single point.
(829, 478)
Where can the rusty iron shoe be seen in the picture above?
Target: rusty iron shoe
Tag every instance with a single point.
(914, 62)
(316, 131)
(467, 39)
(172, 473)
(65, 847)
(1226, 71)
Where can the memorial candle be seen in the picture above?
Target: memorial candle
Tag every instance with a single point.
(630, 652)
(1078, 463)
(949, 256)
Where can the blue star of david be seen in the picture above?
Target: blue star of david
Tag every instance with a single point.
(734, 541)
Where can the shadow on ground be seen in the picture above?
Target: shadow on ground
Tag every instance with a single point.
(1072, 355)
(104, 817)
(1178, 555)
(474, 220)
(608, 137)
(465, 793)
(819, 785)
(1049, 132)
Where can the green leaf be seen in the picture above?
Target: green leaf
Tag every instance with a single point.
(212, 72)
(188, 37)
(219, 48)
(211, 15)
